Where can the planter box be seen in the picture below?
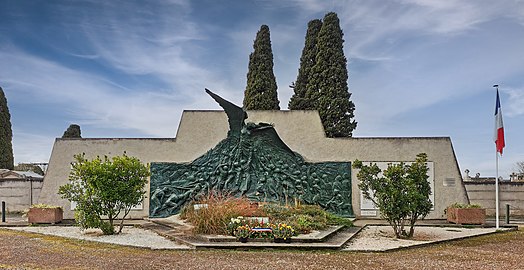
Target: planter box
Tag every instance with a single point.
(466, 215)
(45, 215)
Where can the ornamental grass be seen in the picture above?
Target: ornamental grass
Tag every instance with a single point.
(216, 212)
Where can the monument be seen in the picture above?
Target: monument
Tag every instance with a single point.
(251, 161)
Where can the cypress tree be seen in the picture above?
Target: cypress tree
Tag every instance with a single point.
(327, 85)
(261, 89)
(308, 59)
(73, 131)
(6, 135)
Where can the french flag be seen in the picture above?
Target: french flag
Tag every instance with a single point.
(499, 126)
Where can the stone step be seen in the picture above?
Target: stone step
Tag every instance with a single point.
(334, 238)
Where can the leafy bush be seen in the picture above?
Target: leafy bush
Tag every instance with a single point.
(105, 188)
(401, 192)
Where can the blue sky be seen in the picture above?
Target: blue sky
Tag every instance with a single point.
(129, 68)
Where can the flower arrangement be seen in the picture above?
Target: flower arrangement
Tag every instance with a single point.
(234, 223)
(283, 231)
(243, 232)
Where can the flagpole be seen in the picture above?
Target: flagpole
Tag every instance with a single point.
(497, 190)
(497, 221)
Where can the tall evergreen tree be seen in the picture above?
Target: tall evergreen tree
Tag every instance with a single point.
(6, 135)
(261, 89)
(327, 85)
(308, 59)
(73, 131)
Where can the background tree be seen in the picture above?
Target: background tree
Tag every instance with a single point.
(6, 135)
(401, 194)
(73, 131)
(105, 188)
(28, 167)
(308, 59)
(327, 85)
(520, 167)
(261, 89)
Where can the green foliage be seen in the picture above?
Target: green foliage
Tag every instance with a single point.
(73, 131)
(6, 135)
(401, 193)
(261, 89)
(43, 205)
(105, 188)
(304, 218)
(327, 87)
(464, 205)
(308, 59)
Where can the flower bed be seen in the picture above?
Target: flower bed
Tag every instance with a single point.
(244, 229)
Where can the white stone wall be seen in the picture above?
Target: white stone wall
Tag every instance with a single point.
(302, 131)
(16, 193)
(483, 193)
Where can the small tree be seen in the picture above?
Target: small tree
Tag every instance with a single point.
(401, 193)
(105, 188)
(73, 131)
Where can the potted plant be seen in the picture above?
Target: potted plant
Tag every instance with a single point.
(242, 233)
(234, 223)
(466, 214)
(43, 213)
(283, 233)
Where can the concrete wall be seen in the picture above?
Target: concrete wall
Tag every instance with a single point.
(483, 193)
(18, 195)
(302, 131)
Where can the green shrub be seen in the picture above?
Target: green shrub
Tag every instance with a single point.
(105, 189)
(304, 218)
(463, 205)
(401, 192)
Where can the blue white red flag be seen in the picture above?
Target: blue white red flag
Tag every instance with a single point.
(499, 127)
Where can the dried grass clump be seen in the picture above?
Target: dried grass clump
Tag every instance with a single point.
(213, 218)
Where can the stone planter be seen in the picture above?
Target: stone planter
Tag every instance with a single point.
(466, 215)
(45, 215)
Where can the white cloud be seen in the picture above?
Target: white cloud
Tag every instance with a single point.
(89, 98)
(31, 147)
(515, 101)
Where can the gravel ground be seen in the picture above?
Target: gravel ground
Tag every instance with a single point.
(371, 238)
(130, 236)
(381, 238)
(21, 250)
